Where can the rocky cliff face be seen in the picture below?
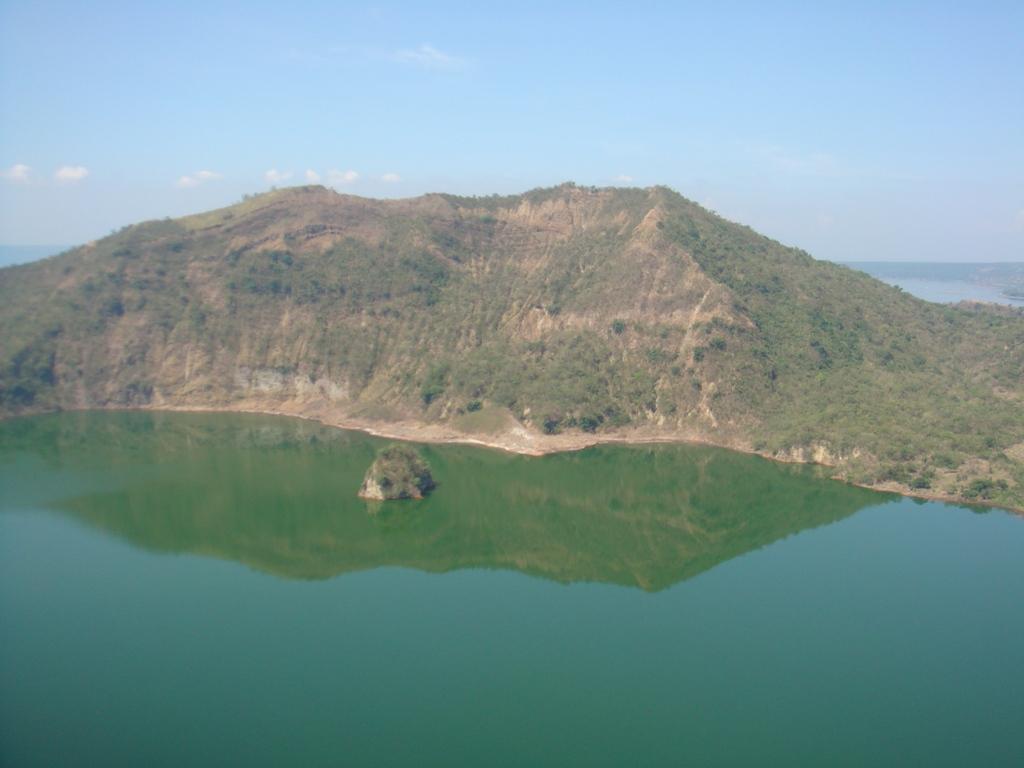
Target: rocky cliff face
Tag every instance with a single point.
(536, 321)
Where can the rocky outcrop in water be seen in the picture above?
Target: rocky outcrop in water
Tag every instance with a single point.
(398, 472)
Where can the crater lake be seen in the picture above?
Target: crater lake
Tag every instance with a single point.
(208, 589)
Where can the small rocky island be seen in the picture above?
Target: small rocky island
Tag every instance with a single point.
(398, 472)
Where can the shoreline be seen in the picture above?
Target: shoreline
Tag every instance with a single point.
(436, 434)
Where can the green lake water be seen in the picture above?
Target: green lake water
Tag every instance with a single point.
(195, 589)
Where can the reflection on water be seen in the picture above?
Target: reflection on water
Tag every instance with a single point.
(280, 495)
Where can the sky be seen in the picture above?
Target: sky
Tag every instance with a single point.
(857, 131)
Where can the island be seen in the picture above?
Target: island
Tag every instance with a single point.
(398, 472)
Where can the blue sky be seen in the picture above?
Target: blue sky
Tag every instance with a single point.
(855, 131)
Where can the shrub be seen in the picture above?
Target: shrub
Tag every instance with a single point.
(656, 356)
(430, 392)
(984, 488)
(434, 384)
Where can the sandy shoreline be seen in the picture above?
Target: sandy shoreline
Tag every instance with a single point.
(519, 440)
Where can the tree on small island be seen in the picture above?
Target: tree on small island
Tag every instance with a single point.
(398, 472)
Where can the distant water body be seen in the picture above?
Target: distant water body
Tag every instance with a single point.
(949, 283)
(207, 589)
(23, 254)
(952, 291)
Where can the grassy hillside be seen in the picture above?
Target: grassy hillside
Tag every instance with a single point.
(558, 313)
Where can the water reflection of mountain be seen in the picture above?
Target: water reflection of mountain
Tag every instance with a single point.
(280, 496)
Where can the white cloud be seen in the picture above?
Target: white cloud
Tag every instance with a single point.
(427, 56)
(624, 179)
(18, 172)
(71, 174)
(335, 177)
(197, 178)
(274, 176)
(391, 178)
(312, 176)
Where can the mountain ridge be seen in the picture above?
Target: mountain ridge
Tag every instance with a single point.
(542, 321)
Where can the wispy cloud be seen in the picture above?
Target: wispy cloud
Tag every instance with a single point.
(274, 176)
(427, 56)
(312, 176)
(624, 179)
(800, 163)
(197, 178)
(336, 178)
(19, 172)
(391, 178)
(1018, 220)
(424, 56)
(70, 174)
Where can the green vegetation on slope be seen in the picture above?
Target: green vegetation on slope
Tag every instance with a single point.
(567, 310)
